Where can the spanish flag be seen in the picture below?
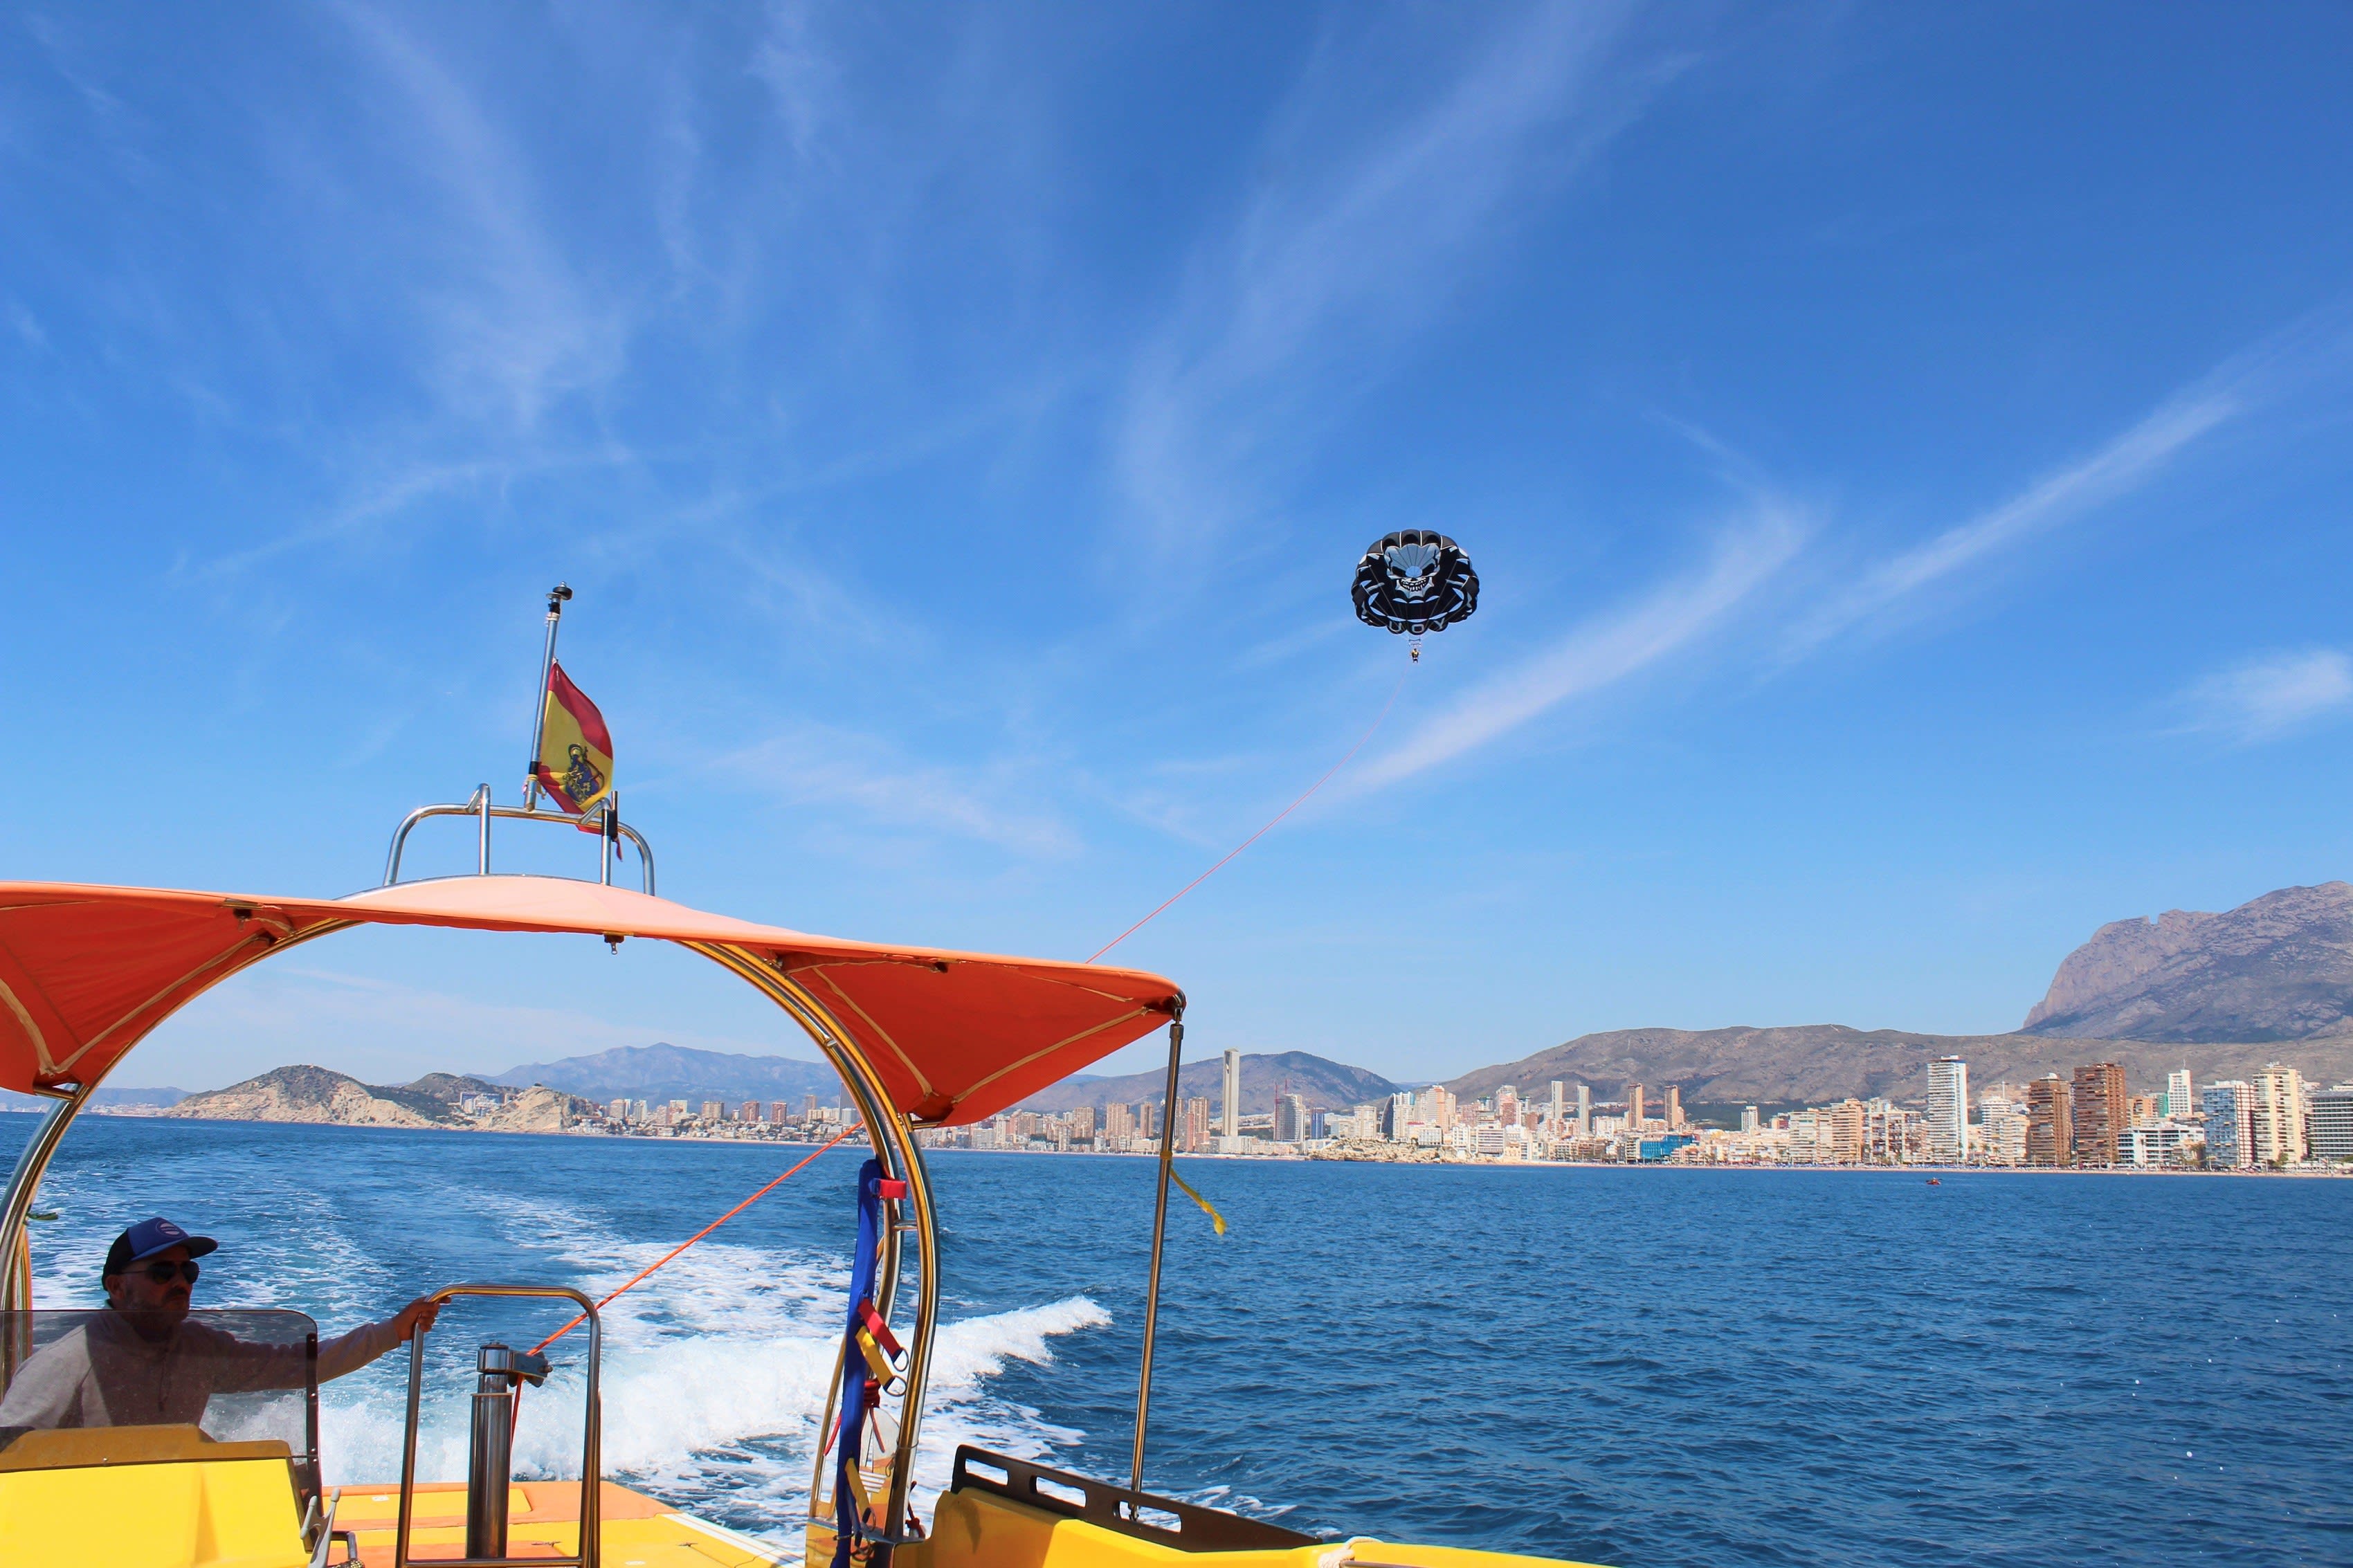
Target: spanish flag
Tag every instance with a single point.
(575, 750)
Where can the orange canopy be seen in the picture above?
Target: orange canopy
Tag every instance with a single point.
(87, 972)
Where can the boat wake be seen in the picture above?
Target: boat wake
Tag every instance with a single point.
(713, 1386)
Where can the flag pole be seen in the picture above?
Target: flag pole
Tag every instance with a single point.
(555, 600)
(1159, 1233)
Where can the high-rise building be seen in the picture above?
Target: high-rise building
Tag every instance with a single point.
(1847, 1120)
(1289, 1119)
(1559, 1112)
(2230, 1105)
(1082, 1124)
(1194, 1132)
(779, 1111)
(809, 1108)
(1674, 1108)
(1229, 1114)
(2096, 1107)
(1634, 1110)
(1948, 1108)
(2003, 1123)
(2332, 1122)
(2279, 1114)
(2180, 1099)
(1397, 1114)
(1147, 1118)
(2050, 1122)
(618, 1111)
(1749, 1119)
(1584, 1111)
(749, 1110)
(1119, 1122)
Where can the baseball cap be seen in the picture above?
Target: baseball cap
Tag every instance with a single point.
(149, 1236)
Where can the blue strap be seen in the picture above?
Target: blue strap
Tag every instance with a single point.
(857, 1387)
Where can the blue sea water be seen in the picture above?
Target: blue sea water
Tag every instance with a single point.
(1635, 1367)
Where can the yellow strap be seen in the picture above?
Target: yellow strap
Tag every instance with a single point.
(875, 1358)
(858, 1488)
(1215, 1217)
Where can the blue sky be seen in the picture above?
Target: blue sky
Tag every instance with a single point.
(1904, 448)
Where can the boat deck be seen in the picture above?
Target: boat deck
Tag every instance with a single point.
(543, 1520)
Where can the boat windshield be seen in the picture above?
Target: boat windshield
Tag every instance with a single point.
(214, 1377)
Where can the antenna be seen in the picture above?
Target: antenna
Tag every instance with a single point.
(557, 597)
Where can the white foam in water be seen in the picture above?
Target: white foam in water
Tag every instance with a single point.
(716, 1375)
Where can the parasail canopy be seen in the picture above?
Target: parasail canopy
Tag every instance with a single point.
(87, 972)
(1414, 581)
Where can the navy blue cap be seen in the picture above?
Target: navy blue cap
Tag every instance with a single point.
(149, 1236)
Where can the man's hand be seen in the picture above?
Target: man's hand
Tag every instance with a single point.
(417, 1315)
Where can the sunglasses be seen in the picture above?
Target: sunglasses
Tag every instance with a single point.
(165, 1273)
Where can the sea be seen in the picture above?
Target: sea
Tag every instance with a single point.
(1634, 1367)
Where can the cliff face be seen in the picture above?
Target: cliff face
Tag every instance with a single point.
(2276, 968)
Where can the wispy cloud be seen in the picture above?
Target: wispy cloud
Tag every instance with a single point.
(1327, 271)
(2125, 464)
(1602, 652)
(2263, 698)
(826, 766)
(515, 326)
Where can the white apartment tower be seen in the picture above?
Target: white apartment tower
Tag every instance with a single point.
(1231, 1106)
(1559, 1107)
(2180, 1099)
(2279, 1112)
(1948, 1108)
(1585, 1111)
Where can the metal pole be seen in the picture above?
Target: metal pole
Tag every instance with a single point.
(482, 803)
(608, 837)
(555, 600)
(1159, 1233)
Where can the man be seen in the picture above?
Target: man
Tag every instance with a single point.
(143, 1363)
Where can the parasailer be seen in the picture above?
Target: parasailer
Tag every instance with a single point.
(1413, 582)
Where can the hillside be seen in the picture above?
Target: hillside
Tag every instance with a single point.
(1815, 1063)
(314, 1094)
(663, 1071)
(1321, 1081)
(2276, 968)
(319, 1095)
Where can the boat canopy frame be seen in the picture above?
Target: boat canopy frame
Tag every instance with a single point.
(87, 971)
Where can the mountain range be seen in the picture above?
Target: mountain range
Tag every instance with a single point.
(663, 1071)
(1317, 1079)
(2219, 994)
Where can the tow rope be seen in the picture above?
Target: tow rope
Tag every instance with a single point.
(1270, 827)
(642, 1274)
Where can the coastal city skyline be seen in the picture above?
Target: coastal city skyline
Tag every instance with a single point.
(2084, 1118)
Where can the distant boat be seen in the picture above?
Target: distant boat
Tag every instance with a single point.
(1936, 1182)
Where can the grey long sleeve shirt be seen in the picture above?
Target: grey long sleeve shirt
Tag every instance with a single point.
(105, 1374)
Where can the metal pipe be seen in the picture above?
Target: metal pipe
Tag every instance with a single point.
(1159, 1236)
(895, 1146)
(482, 849)
(507, 814)
(592, 1441)
(608, 841)
(490, 1451)
(32, 1164)
(555, 599)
